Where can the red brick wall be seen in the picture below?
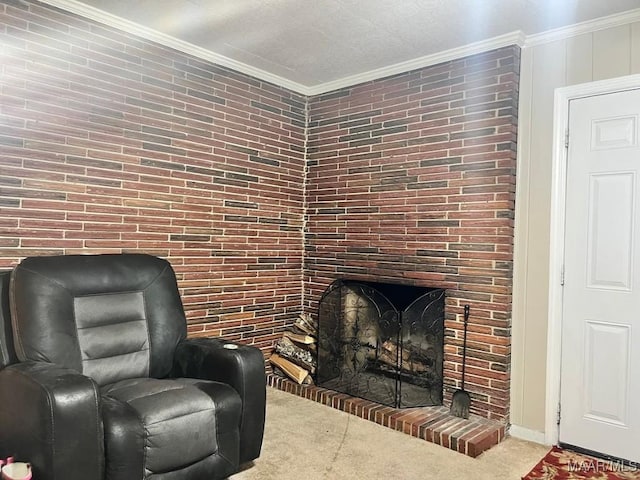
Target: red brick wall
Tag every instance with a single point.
(111, 143)
(411, 179)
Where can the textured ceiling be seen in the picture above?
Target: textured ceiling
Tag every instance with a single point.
(316, 42)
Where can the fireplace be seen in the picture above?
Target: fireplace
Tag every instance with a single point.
(382, 342)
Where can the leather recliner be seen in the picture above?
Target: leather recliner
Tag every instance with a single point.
(98, 380)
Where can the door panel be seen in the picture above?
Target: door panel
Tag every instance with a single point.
(600, 373)
(607, 351)
(610, 237)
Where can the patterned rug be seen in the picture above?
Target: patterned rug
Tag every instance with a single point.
(561, 464)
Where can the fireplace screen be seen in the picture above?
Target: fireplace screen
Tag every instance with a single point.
(382, 342)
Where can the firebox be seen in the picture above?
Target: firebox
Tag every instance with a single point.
(382, 342)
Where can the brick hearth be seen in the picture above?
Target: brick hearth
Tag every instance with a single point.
(433, 424)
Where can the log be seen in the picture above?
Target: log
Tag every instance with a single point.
(306, 324)
(300, 338)
(293, 371)
(280, 373)
(289, 350)
(412, 360)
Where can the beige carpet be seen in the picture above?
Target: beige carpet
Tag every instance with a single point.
(306, 440)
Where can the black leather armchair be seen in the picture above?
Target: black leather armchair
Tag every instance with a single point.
(98, 380)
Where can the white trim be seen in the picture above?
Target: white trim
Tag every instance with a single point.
(527, 434)
(133, 28)
(556, 253)
(513, 38)
(602, 23)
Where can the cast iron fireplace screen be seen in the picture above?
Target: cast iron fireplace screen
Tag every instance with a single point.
(382, 342)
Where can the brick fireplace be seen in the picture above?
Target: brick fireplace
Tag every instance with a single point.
(259, 196)
(411, 179)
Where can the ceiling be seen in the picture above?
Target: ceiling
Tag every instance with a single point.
(318, 45)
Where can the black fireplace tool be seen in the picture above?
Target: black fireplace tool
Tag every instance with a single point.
(461, 400)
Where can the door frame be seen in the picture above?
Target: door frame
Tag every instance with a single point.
(562, 97)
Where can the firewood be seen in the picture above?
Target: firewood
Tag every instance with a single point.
(280, 373)
(306, 324)
(300, 338)
(412, 360)
(292, 370)
(304, 358)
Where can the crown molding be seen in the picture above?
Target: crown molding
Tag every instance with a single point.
(590, 26)
(100, 16)
(513, 38)
(133, 28)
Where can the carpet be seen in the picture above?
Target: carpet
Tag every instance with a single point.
(306, 440)
(562, 464)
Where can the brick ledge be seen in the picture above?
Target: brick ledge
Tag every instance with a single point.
(433, 424)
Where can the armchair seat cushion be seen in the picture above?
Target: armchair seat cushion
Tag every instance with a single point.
(179, 422)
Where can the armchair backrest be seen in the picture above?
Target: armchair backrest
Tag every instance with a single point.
(110, 317)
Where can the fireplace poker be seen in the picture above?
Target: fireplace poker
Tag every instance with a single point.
(461, 400)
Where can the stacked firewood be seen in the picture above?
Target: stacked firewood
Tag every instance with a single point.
(295, 352)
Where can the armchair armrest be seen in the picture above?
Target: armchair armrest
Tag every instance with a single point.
(50, 417)
(240, 366)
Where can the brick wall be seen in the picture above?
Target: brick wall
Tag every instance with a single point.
(110, 143)
(411, 179)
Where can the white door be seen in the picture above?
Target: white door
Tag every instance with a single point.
(600, 372)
